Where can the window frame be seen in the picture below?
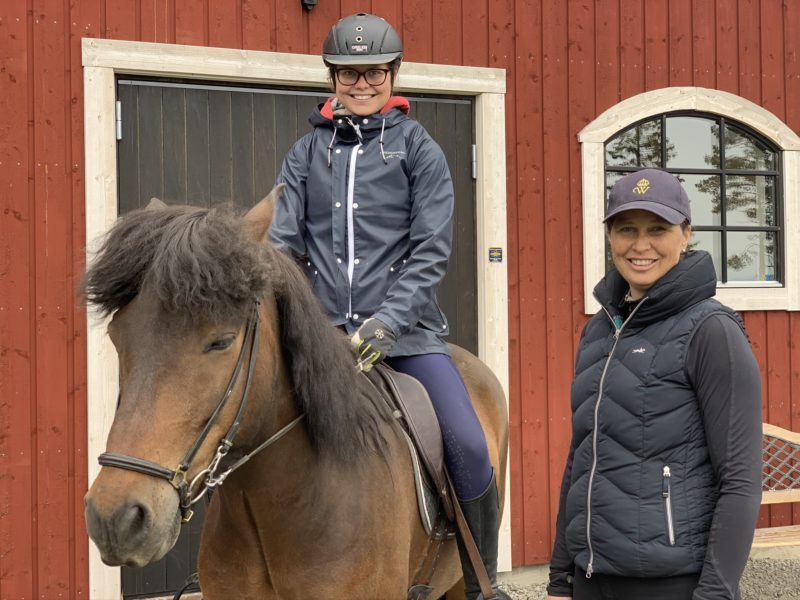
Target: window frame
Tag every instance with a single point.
(740, 296)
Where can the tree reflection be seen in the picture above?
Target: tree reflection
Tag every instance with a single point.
(638, 147)
(749, 195)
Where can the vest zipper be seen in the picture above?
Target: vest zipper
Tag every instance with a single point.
(351, 243)
(666, 492)
(617, 333)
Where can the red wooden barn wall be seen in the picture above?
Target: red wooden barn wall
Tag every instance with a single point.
(566, 63)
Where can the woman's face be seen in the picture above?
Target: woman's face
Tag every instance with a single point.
(362, 98)
(644, 247)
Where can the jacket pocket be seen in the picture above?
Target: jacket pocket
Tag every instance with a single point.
(666, 493)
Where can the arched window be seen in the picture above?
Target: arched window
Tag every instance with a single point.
(731, 175)
(740, 166)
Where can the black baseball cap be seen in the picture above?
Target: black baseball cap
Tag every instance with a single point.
(653, 190)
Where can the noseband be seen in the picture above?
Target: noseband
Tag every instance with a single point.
(208, 477)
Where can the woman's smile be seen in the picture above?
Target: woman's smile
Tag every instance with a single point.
(645, 247)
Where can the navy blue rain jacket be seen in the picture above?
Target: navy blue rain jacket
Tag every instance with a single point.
(367, 212)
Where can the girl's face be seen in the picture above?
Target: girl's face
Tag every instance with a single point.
(357, 94)
(644, 247)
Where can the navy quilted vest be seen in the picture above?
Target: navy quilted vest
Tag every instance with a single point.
(641, 474)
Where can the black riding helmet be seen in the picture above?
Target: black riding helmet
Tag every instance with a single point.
(362, 39)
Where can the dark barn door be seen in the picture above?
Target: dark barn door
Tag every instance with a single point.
(208, 144)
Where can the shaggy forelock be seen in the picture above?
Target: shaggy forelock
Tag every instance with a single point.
(194, 259)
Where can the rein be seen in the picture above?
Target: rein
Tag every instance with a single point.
(208, 477)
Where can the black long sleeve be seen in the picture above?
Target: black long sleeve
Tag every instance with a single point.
(561, 565)
(724, 372)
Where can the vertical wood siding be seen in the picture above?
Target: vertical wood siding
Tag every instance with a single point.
(566, 63)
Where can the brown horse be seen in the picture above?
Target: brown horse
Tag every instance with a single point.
(222, 345)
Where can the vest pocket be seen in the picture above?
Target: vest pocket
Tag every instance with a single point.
(666, 493)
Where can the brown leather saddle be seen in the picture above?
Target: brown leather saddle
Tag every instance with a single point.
(412, 407)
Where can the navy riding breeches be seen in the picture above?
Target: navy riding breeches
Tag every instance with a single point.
(465, 451)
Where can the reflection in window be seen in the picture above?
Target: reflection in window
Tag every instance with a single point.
(693, 141)
(750, 200)
(731, 177)
(743, 151)
(637, 146)
(751, 256)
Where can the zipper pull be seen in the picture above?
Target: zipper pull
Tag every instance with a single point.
(665, 485)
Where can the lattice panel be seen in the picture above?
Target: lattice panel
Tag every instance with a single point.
(781, 469)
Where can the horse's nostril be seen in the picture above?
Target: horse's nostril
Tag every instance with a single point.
(133, 519)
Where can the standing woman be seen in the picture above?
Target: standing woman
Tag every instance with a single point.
(368, 212)
(662, 485)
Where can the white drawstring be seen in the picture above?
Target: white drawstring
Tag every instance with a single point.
(357, 129)
(330, 146)
(380, 141)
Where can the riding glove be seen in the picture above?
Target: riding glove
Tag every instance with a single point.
(373, 341)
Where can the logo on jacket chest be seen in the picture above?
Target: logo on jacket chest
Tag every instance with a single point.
(388, 155)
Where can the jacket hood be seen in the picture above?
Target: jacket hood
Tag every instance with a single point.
(692, 280)
(322, 115)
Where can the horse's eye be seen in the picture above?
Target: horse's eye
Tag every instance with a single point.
(220, 344)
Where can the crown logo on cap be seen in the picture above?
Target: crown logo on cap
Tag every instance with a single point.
(641, 186)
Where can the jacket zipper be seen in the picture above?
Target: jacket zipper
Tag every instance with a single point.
(666, 492)
(617, 333)
(351, 243)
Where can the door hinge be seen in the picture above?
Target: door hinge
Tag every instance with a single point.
(118, 119)
(474, 161)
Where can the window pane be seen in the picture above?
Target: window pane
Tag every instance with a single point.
(743, 151)
(611, 179)
(750, 200)
(703, 191)
(692, 142)
(637, 147)
(751, 256)
(711, 242)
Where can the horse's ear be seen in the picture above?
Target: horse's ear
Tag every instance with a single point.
(259, 218)
(155, 204)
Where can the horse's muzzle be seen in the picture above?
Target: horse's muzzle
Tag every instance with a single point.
(129, 533)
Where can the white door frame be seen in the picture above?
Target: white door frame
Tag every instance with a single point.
(103, 60)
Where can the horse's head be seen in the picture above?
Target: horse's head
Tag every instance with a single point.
(182, 284)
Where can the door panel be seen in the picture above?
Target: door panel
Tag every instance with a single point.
(211, 144)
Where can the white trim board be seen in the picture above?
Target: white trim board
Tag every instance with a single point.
(620, 116)
(104, 59)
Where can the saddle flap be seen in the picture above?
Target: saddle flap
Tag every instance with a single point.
(410, 397)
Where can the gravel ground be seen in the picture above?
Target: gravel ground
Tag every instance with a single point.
(524, 592)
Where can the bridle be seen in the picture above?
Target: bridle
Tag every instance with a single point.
(207, 478)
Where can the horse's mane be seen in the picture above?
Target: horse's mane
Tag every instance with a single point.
(201, 265)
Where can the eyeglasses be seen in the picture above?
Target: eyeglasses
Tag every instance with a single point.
(371, 76)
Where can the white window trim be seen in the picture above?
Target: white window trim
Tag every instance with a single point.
(594, 136)
(104, 59)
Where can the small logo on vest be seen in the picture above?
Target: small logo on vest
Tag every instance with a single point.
(638, 350)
